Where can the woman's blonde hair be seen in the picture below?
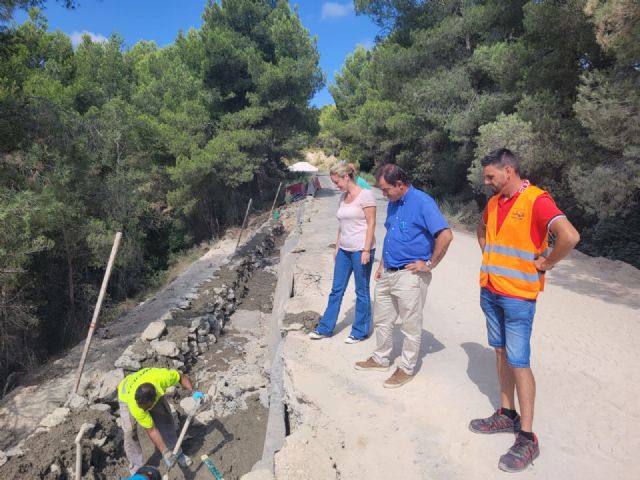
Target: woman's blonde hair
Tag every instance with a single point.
(343, 170)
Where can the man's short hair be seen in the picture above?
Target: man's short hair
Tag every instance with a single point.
(145, 394)
(392, 173)
(500, 158)
(149, 473)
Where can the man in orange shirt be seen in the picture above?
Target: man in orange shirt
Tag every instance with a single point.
(513, 236)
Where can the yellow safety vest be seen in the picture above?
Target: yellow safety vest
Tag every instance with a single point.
(507, 260)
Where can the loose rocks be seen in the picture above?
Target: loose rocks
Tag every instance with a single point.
(103, 387)
(76, 401)
(137, 351)
(101, 407)
(127, 363)
(165, 348)
(187, 404)
(200, 325)
(154, 330)
(55, 418)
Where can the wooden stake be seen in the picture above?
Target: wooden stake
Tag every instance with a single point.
(244, 222)
(96, 311)
(275, 199)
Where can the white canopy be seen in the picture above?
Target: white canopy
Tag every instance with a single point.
(302, 167)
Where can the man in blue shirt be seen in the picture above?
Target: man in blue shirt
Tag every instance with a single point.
(417, 239)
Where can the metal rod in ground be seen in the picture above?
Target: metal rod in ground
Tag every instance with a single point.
(276, 198)
(78, 442)
(96, 311)
(244, 222)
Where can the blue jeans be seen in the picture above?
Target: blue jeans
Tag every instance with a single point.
(509, 325)
(347, 262)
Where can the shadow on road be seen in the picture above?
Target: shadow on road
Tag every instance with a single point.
(599, 280)
(481, 369)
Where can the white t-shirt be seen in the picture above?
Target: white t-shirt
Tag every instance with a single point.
(353, 224)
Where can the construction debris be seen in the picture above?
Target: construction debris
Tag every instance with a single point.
(193, 340)
(154, 330)
(55, 418)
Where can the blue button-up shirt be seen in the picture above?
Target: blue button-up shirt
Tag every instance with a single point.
(412, 224)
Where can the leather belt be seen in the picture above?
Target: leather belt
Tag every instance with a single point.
(395, 269)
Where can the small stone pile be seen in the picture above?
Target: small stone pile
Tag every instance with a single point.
(177, 346)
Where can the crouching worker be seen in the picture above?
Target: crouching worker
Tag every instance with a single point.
(141, 396)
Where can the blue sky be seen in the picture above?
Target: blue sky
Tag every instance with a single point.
(334, 23)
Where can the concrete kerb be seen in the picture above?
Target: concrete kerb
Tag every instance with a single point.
(276, 430)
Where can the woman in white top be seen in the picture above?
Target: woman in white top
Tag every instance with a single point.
(355, 248)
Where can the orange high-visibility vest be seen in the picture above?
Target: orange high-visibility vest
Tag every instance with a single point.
(507, 260)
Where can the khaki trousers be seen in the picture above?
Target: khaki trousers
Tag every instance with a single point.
(163, 421)
(402, 295)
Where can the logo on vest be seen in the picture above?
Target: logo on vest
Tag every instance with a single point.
(518, 214)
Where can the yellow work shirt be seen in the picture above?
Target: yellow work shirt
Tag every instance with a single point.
(160, 378)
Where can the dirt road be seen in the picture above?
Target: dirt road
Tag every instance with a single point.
(585, 359)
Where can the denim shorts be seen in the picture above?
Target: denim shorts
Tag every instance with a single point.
(509, 325)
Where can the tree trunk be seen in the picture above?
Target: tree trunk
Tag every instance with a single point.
(72, 293)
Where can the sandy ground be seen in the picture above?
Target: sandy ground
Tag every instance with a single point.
(345, 425)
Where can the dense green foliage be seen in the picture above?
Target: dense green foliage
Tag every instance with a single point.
(163, 144)
(556, 81)
(7, 7)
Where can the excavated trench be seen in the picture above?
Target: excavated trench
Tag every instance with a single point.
(221, 338)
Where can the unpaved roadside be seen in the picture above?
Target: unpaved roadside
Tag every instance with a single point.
(345, 425)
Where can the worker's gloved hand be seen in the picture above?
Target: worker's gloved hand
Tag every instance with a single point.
(169, 458)
(198, 396)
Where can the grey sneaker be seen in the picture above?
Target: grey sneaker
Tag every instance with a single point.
(496, 423)
(520, 455)
(184, 461)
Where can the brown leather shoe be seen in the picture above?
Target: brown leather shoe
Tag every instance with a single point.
(397, 379)
(370, 364)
